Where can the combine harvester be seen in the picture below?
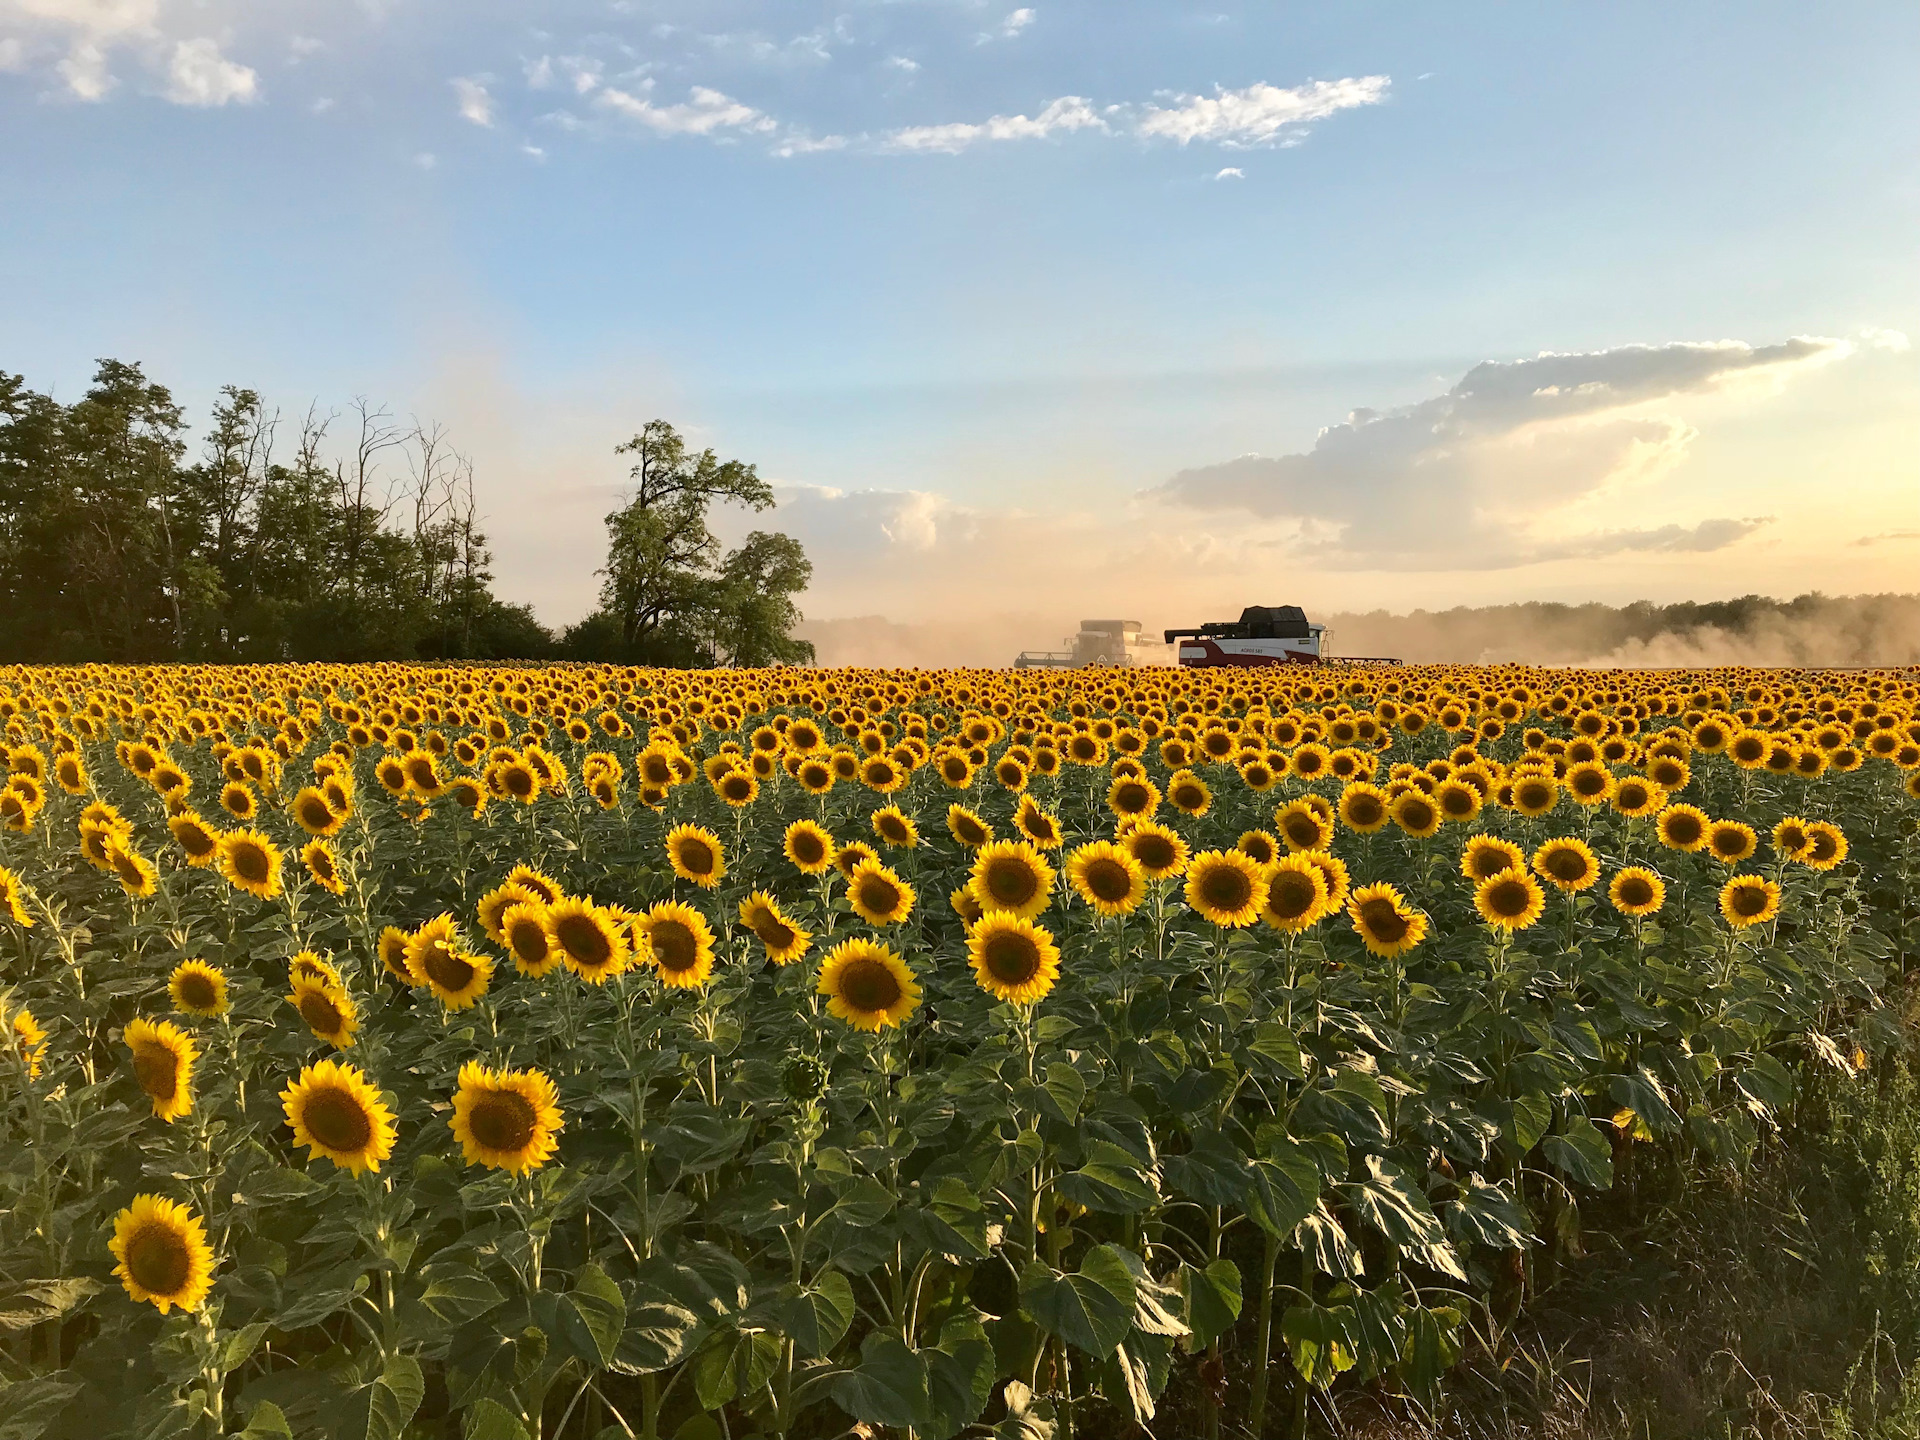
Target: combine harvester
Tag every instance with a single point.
(1099, 642)
(1263, 635)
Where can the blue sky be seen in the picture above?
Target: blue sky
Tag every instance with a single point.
(1035, 311)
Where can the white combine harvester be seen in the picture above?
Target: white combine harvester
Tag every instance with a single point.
(1263, 635)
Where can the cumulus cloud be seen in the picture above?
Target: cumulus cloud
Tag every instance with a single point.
(1068, 113)
(1258, 115)
(473, 101)
(1503, 469)
(1230, 172)
(1015, 22)
(77, 41)
(704, 112)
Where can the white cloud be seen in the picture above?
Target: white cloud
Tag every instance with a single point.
(85, 71)
(1508, 466)
(474, 103)
(799, 144)
(533, 150)
(198, 74)
(1230, 172)
(705, 112)
(321, 105)
(1068, 113)
(1259, 114)
(1017, 21)
(901, 62)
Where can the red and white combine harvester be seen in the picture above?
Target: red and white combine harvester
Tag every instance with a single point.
(1263, 635)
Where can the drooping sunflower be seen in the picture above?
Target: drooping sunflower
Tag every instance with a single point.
(1041, 827)
(392, 946)
(1011, 875)
(591, 944)
(197, 988)
(695, 854)
(1382, 919)
(250, 862)
(328, 1010)
(313, 814)
(136, 873)
(1107, 878)
(1826, 846)
(323, 866)
(1682, 827)
(27, 1037)
(895, 828)
(1637, 891)
(1486, 855)
(1363, 808)
(13, 899)
(1158, 851)
(1014, 960)
(785, 942)
(1509, 900)
(809, 848)
(161, 1253)
(336, 1112)
(1297, 894)
(1416, 814)
(868, 985)
(679, 943)
(1731, 841)
(878, 895)
(1749, 900)
(526, 933)
(966, 906)
(1188, 793)
(1226, 887)
(1133, 797)
(506, 1119)
(968, 828)
(163, 1058)
(1568, 863)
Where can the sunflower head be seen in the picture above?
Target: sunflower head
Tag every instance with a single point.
(1363, 808)
(1384, 922)
(392, 946)
(1011, 875)
(868, 985)
(1039, 826)
(1535, 795)
(1297, 894)
(1731, 841)
(1568, 863)
(1749, 900)
(894, 828)
(1682, 827)
(591, 944)
(250, 862)
(679, 944)
(1509, 900)
(197, 988)
(967, 827)
(1826, 845)
(528, 937)
(323, 866)
(878, 895)
(809, 848)
(161, 1254)
(785, 941)
(337, 1113)
(163, 1057)
(1013, 960)
(1302, 826)
(1159, 852)
(506, 1119)
(1133, 797)
(1259, 846)
(1416, 813)
(1226, 887)
(1107, 877)
(1188, 793)
(327, 1009)
(1637, 891)
(1487, 855)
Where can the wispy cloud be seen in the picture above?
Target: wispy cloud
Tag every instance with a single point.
(1258, 115)
(1068, 113)
(705, 112)
(198, 74)
(1016, 22)
(473, 101)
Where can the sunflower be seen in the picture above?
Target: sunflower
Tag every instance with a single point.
(1259, 846)
(1040, 827)
(392, 947)
(528, 936)
(738, 788)
(1637, 891)
(197, 988)
(1257, 773)
(1487, 855)
(1133, 797)
(1749, 900)
(314, 815)
(335, 1112)
(592, 946)
(852, 855)
(809, 847)
(1226, 887)
(1637, 797)
(1384, 923)
(966, 906)
(200, 841)
(878, 895)
(1748, 749)
(679, 943)
(1302, 826)
(161, 1253)
(163, 1056)
(1297, 894)
(1568, 862)
(1682, 827)
(696, 855)
(882, 775)
(506, 1119)
(1188, 793)
(785, 941)
(1731, 841)
(1826, 846)
(328, 1011)
(1158, 851)
(1013, 960)
(12, 899)
(322, 866)
(1535, 795)
(868, 985)
(1790, 838)
(238, 801)
(493, 906)
(968, 828)
(1309, 761)
(1363, 808)
(250, 862)
(894, 828)
(1011, 875)
(544, 887)
(134, 871)
(1457, 800)
(1509, 900)
(1590, 783)
(1107, 878)
(307, 965)
(1416, 814)
(29, 1039)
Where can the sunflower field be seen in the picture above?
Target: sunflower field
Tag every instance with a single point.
(508, 1053)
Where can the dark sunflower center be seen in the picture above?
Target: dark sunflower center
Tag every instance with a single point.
(1728, 842)
(1566, 865)
(879, 894)
(808, 849)
(584, 941)
(869, 986)
(1416, 814)
(158, 1072)
(737, 787)
(1291, 894)
(1634, 890)
(1189, 797)
(158, 1260)
(1226, 887)
(502, 1120)
(1824, 847)
(1153, 851)
(1130, 798)
(529, 940)
(1363, 810)
(1258, 850)
(337, 1120)
(1458, 802)
(1508, 899)
(519, 781)
(1108, 880)
(1485, 863)
(1309, 763)
(197, 991)
(1012, 958)
(195, 841)
(1012, 882)
(1303, 830)
(322, 864)
(1383, 921)
(320, 1013)
(893, 830)
(448, 970)
(673, 946)
(1533, 797)
(1749, 900)
(775, 934)
(970, 831)
(128, 871)
(697, 856)
(1683, 830)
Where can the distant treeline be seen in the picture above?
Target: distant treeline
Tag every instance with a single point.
(1810, 629)
(342, 536)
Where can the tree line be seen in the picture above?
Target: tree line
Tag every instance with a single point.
(343, 536)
